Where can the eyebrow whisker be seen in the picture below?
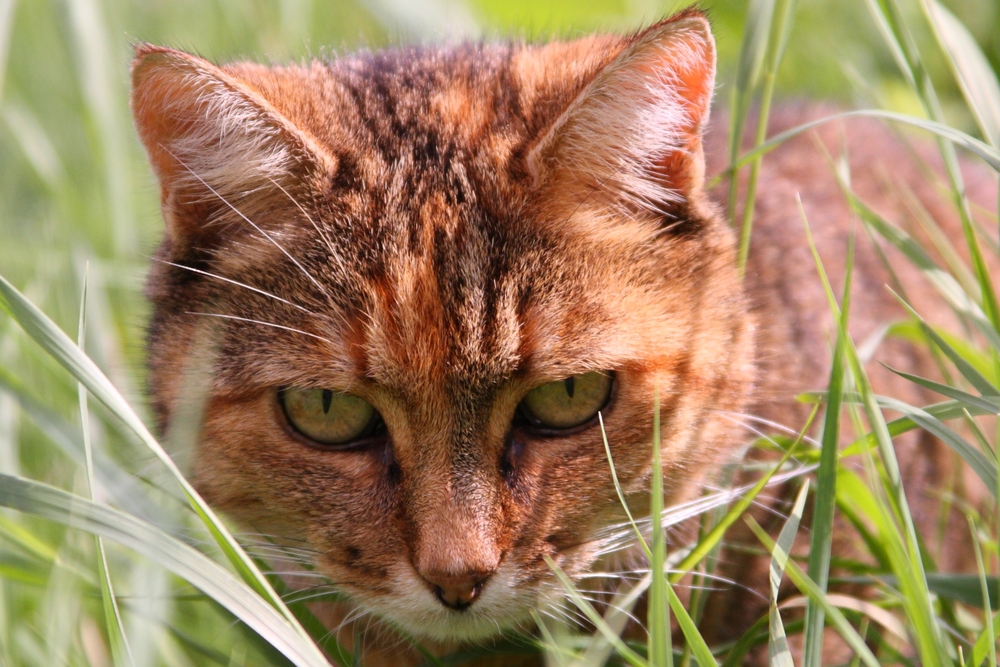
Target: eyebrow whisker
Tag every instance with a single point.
(295, 201)
(254, 225)
(235, 282)
(266, 324)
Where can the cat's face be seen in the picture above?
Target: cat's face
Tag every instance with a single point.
(413, 279)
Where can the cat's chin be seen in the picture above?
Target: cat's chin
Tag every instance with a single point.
(460, 628)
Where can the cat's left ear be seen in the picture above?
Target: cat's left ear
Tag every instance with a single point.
(633, 135)
(216, 143)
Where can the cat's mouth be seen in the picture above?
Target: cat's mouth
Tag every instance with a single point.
(500, 605)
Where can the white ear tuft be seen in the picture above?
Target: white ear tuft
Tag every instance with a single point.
(633, 136)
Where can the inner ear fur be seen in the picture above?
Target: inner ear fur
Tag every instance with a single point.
(632, 137)
(215, 143)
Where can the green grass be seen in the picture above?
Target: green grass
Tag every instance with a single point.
(164, 579)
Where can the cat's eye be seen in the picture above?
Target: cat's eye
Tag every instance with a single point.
(566, 404)
(330, 418)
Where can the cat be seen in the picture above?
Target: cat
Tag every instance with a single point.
(421, 279)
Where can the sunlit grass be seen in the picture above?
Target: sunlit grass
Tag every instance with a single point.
(165, 579)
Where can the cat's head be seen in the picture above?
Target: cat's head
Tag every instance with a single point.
(414, 278)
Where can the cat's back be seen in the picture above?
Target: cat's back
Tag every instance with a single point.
(901, 180)
(899, 177)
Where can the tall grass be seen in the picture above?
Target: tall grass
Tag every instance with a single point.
(109, 556)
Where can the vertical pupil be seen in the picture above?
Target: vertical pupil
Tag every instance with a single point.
(570, 384)
(327, 399)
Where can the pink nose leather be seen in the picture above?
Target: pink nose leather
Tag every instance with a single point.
(457, 591)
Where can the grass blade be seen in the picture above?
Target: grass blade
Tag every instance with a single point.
(200, 571)
(964, 588)
(97, 72)
(903, 550)
(807, 587)
(980, 464)
(619, 613)
(705, 546)
(627, 654)
(621, 494)
(989, 405)
(120, 650)
(986, 644)
(980, 360)
(972, 70)
(45, 332)
(974, 377)
(941, 411)
(695, 642)
(660, 651)
(27, 540)
(125, 490)
(777, 38)
(985, 591)
(901, 543)
(826, 485)
(946, 284)
(924, 87)
(891, 41)
(778, 652)
(35, 144)
(6, 29)
(756, 35)
(989, 154)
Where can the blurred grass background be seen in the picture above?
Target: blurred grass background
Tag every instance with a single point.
(77, 197)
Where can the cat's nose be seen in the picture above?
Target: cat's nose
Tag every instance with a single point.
(457, 591)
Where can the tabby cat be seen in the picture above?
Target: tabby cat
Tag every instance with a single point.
(419, 278)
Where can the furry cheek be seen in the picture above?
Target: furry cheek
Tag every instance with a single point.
(249, 463)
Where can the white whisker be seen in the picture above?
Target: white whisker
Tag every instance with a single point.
(254, 225)
(267, 324)
(235, 282)
(298, 596)
(737, 417)
(298, 574)
(320, 232)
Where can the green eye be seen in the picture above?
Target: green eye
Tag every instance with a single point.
(568, 403)
(329, 417)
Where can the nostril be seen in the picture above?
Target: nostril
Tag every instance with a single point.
(459, 600)
(457, 592)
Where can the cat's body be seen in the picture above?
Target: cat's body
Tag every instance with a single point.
(441, 232)
(796, 329)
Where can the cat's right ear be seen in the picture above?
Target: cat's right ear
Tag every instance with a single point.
(632, 136)
(216, 144)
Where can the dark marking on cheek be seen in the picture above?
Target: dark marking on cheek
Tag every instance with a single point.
(512, 470)
(393, 473)
(513, 448)
(560, 541)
